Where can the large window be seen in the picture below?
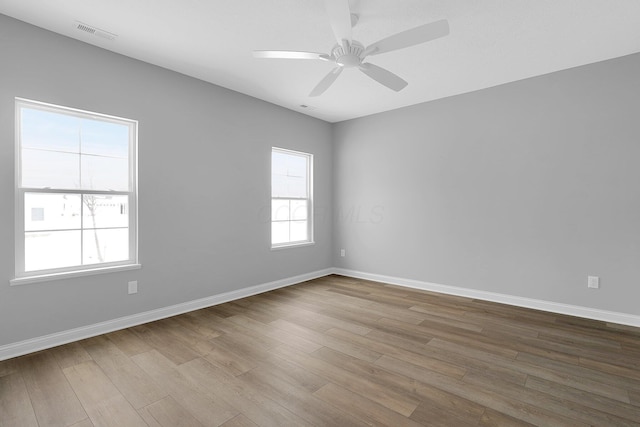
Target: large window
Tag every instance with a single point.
(75, 190)
(291, 201)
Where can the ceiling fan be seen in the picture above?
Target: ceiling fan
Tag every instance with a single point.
(349, 53)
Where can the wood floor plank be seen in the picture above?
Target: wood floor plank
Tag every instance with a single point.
(191, 337)
(8, 367)
(297, 399)
(401, 341)
(148, 418)
(329, 295)
(185, 391)
(390, 399)
(610, 368)
(15, 405)
(272, 331)
(408, 386)
(240, 343)
(128, 342)
(332, 307)
(168, 413)
(575, 376)
(567, 409)
(430, 317)
(250, 402)
(541, 368)
(312, 319)
(102, 401)
(139, 389)
(620, 333)
(492, 418)
(570, 353)
(471, 339)
(227, 359)
(437, 308)
(239, 421)
(84, 423)
(292, 303)
(498, 325)
(368, 298)
(495, 366)
(258, 342)
(70, 354)
(353, 316)
(595, 401)
(575, 337)
(324, 340)
(203, 329)
(241, 347)
(294, 373)
(166, 343)
(402, 314)
(337, 351)
(362, 407)
(269, 302)
(430, 414)
(254, 310)
(481, 395)
(53, 399)
(421, 359)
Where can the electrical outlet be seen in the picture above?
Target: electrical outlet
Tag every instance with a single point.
(133, 287)
(593, 282)
(343, 252)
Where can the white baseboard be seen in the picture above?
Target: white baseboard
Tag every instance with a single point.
(52, 340)
(553, 307)
(40, 343)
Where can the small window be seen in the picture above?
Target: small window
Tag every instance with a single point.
(291, 201)
(75, 190)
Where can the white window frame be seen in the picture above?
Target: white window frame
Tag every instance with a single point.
(22, 276)
(309, 199)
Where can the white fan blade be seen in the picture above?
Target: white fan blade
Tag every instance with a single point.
(412, 37)
(289, 54)
(326, 82)
(339, 18)
(382, 76)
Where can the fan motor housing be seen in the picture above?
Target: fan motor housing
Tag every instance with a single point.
(349, 54)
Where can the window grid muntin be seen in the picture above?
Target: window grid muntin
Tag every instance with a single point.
(309, 199)
(21, 191)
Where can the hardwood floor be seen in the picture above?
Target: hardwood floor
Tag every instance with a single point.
(336, 352)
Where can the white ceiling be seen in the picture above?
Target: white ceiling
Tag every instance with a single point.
(491, 42)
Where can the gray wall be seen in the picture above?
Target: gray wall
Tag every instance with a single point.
(522, 189)
(204, 182)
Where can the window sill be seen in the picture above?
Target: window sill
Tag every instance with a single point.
(72, 274)
(292, 245)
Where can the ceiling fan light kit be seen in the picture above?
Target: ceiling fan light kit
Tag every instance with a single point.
(349, 53)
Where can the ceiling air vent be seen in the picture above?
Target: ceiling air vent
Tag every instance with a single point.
(95, 31)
